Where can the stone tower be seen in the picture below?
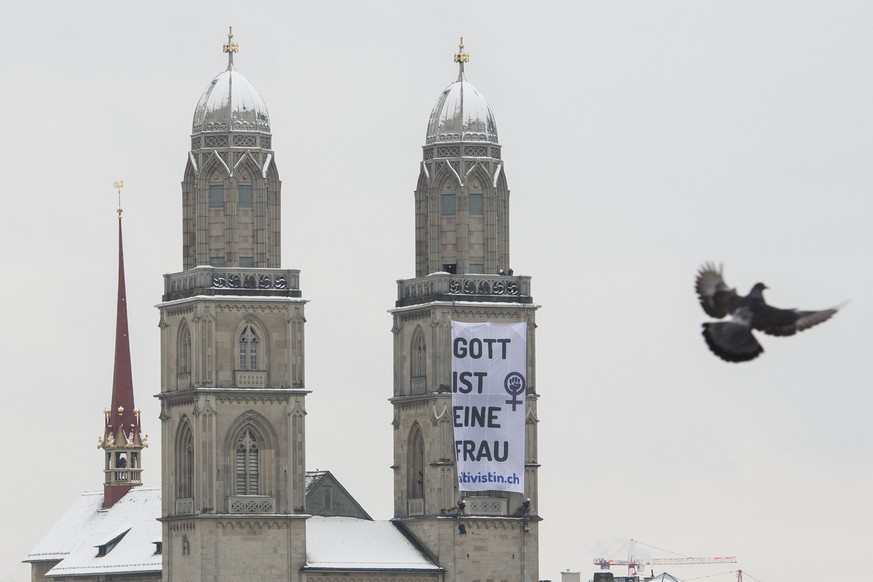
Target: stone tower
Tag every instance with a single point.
(122, 440)
(232, 383)
(463, 274)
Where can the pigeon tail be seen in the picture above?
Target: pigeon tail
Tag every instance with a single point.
(731, 341)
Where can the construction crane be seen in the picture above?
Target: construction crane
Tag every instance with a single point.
(634, 564)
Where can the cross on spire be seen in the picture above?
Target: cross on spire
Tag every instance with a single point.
(461, 57)
(119, 186)
(230, 47)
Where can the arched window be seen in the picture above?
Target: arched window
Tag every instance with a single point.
(415, 462)
(185, 462)
(248, 348)
(419, 355)
(247, 463)
(184, 346)
(475, 199)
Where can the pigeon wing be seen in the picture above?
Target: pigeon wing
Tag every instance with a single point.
(732, 340)
(774, 321)
(716, 298)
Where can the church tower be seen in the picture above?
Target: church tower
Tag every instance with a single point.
(462, 276)
(122, 440)
(232, 384)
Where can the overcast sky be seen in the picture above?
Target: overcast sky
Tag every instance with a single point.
(640, 139)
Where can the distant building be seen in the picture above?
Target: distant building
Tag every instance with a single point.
(235, 501)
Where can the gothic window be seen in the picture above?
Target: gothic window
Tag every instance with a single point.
(475, 200)
(246, 262)
(245, 195)
(184, 346)
(248, 348)
(419, 355)
(185, 462)
(415, 464)
(449, 204)
(216, 195)
(247, 463)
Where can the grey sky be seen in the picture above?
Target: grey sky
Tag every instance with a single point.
(640, 139)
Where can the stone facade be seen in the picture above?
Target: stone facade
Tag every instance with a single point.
(232, 352)
(462, 274)
(235, 497)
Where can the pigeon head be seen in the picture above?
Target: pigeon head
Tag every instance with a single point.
(758, 290)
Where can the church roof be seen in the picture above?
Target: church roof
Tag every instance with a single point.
(461, 113)
(125, 533)
(341, 501)
(230, 102)
(348, 543)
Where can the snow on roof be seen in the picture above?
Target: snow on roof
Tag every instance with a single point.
(348, 543)
(75, 538)
(313, 477)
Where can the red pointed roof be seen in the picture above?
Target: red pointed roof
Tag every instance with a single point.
(122, 436)
(122, 409)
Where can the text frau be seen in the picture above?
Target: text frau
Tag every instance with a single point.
(482, 450)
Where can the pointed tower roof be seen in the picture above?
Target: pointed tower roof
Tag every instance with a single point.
(230, 102)
(461, 113)
(122, 378)
(122, 436)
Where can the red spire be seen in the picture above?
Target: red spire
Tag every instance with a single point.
(122, 410)
(122, 438)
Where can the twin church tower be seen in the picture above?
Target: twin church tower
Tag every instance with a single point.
(233, 389)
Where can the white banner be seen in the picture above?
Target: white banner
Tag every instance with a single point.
(489, 368)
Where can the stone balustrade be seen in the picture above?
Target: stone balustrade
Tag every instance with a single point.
(207, 280)
(251, 504)
(485, 506)
(185, 506)
(415, 506)
(449, 287)
(250, 379)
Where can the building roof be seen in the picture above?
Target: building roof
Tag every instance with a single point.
(332, 543)
(461, 114)
(342, 503)
(348, 543)
(76, 538)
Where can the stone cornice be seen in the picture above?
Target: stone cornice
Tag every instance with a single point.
(278, 394)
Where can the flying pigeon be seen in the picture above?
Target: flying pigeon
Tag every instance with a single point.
(732, 340)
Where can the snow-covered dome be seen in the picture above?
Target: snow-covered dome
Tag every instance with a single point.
(461, 114)
(231, 103)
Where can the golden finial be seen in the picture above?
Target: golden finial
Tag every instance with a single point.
(119, 186)
(230, 47)
(461, 57)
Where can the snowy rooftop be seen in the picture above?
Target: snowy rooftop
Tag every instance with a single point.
(332, 543)
(76, 538)
(461, 114)
(347, 543)
(230, 103)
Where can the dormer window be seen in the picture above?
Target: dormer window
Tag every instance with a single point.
(104, 549)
